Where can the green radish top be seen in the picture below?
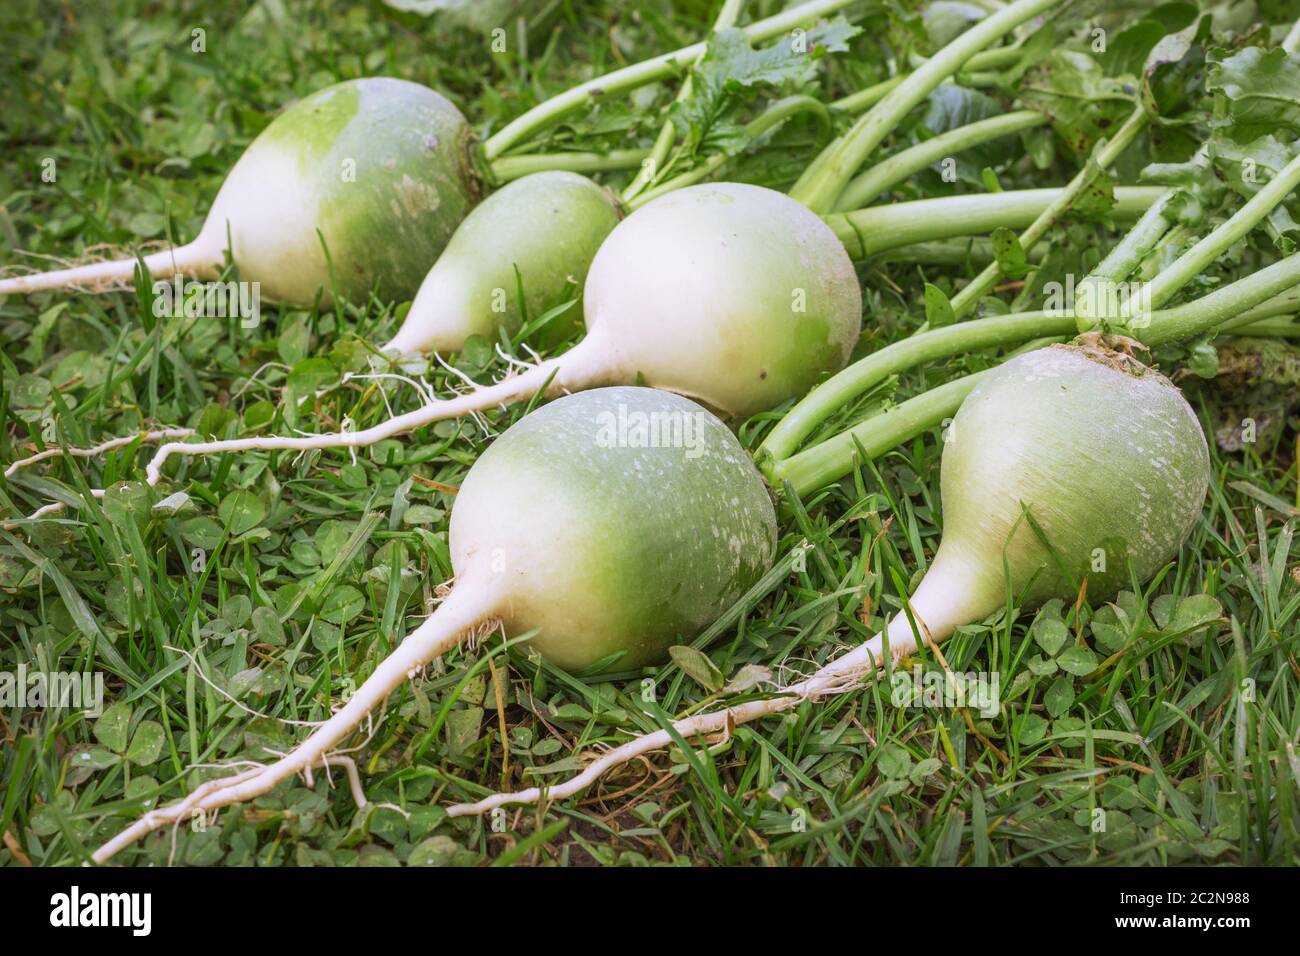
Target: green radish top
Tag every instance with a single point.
(733, 294)
(380, 166)
(616, 521)
(543, 230)
(1106, 455)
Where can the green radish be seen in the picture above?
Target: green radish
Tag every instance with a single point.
(543, 230)
(1102, 453)
(734, 295)
(1078, 446)
(615, 523)
(381, 167)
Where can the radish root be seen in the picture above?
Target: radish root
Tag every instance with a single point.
(147, 437)
(465, 609)
(509, 390)
(842, 675)
(54, 508)
(194, 259)
(582, 366)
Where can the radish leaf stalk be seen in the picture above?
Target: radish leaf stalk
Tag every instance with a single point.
(650, 71)
(820, 187)
(1106, 154)
(888, 173)
(835, 457)
(867, 232)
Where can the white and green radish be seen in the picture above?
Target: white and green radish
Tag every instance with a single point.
(1077, 447)
(377, 172)
(614, 523)
(541, 231)
(731, 294)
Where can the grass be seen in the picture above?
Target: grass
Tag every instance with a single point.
(1159, 730)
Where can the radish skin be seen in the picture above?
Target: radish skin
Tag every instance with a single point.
(735, 295)
(380, 166)
(615, 523)
(1106, 455)
(547, 226)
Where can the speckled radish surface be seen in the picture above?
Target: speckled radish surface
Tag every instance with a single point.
(1106, 455)
(605, 543)
(381, 166)
(544, 229)
(732, 294)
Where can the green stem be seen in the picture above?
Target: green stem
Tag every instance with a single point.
(820, 191)
(654, 159)
(509, 168)
(1286, 328)
(865, 99)
(866, 373)
(836, 457)
(866, 232)
(639, 74)
(869, 97)
(1121, 262)
(775, 114)
(890, 172)
(727, 16)
(1237, 300)
(1284, 304)
(1194, 318)
(1158, 256)
(950, 252)
(978, 287)
(1196, 259)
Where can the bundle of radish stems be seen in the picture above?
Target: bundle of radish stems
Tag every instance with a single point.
(1068, 444)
